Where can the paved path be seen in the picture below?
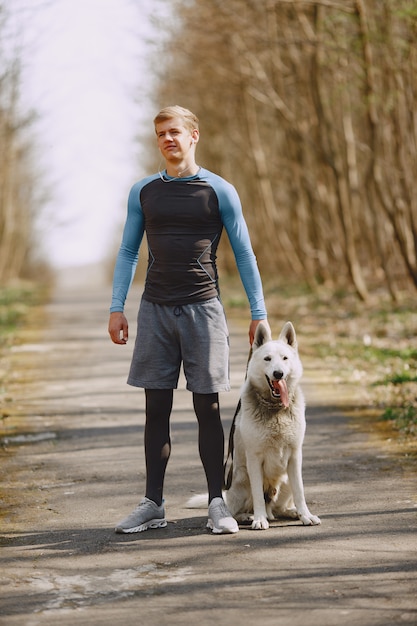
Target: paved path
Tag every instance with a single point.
(80, 469)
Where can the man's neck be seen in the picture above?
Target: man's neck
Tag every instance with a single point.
(182, 169)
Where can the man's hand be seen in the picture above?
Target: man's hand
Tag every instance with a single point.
(252, 329)
(118, 327)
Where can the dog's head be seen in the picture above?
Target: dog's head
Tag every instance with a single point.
(275, 368)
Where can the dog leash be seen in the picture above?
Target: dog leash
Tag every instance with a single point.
(227, 479)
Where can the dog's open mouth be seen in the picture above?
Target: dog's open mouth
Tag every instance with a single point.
(279, 390)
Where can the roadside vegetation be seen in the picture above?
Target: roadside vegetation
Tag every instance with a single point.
(20, 306)
(371, 348)
(366, 353)
(16, 304)
(24, 275)
(22, 190)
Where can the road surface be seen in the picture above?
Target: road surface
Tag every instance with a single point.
(72, 466)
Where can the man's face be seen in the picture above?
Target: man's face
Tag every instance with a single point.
(174, 139)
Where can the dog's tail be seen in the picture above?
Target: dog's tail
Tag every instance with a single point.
(199, 501)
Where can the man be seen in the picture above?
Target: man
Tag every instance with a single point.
(181, 319)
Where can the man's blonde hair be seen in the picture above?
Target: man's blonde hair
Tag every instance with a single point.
(168, 113)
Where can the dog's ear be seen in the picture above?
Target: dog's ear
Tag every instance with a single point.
(262, 335)
(288, 335)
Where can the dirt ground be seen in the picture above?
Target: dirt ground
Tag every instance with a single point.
(72, 465)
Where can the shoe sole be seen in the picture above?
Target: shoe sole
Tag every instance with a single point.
(154, 523)
(221, 531)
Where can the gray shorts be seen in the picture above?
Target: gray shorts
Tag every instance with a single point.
(195, 335)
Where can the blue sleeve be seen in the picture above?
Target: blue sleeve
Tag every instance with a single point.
(237, 231)
(127, 257)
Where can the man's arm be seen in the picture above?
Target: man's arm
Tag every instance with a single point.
(127, 257)
(125, 267)
(237, 231)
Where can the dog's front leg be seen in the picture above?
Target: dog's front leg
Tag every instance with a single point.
(260, 521)
(296, 484)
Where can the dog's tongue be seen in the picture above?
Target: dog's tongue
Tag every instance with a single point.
(281, 386)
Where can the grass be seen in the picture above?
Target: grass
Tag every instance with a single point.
(16, 303)
(401, 409)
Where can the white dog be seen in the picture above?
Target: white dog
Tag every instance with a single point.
(269, 433)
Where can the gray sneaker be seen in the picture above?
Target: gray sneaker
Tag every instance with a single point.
(219, 518)
(146, 515)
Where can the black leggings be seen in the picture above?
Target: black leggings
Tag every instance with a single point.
(158, 440)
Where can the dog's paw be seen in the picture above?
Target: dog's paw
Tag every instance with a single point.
(291, 513)
(260, 523)
(310, 520)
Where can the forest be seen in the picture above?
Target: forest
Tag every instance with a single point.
(309, 108)
(21, 187)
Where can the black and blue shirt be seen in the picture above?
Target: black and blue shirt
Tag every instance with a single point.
(184, 219)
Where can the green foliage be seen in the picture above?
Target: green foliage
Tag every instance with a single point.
(398, 379)
(15, 305)
(403, 418)
(405, 355)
